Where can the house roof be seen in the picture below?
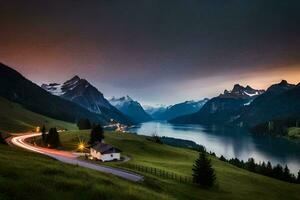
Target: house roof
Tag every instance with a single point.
(105, 148)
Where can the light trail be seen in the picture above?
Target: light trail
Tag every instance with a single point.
(70, 158)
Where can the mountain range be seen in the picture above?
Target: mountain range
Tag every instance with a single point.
(176, 110)
(81, 92)
(131, 108)
(221, 109)
(250, 108)
(155, 111)
(281, 100)
(77, 98)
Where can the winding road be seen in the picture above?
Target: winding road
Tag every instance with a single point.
(69, 157)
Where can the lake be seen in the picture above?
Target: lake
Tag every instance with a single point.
(230, 142)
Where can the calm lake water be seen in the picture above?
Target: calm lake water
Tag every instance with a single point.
(230, 142)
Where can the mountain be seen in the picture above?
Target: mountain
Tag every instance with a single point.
(81, 92)
(222, 109)
(131, 108)
(239, 91)
(155, 111)
(279, 101)
(184, 108)
(16, 88)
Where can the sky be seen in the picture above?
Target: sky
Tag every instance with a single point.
(157, 52)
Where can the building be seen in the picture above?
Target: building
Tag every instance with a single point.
(105, 152)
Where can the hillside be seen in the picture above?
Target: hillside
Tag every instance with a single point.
(15, 118)
(233, 182)
(16, 88)
(279, 101)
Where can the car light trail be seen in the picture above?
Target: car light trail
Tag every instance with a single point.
(20, 141)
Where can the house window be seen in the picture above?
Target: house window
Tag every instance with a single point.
(111, 155)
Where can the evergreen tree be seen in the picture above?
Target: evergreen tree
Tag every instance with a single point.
(269, 170)
(44, 134)
(222, 158)
(286, 174)
(84, 124)
(298, 178)
(278, 172)
(251, 166)
(203, 173)
(52, 138)
(263, 169)
(97, 134)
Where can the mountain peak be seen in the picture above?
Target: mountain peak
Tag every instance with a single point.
(283, 82)
(248, 87)
(131, 108)
(279, 87)
(240, 91)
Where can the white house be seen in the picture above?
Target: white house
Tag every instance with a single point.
(105, 152)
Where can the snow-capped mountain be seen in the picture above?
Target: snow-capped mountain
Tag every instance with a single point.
(155, 110)
(176, 110)
(83, 93)
(130, 108)
(239, 91)
(16, 88)
(223, 108)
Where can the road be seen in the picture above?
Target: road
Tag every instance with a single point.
(70, 158)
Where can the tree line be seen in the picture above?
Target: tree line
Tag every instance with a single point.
(266, 169)
(277, 126)
(51, 138)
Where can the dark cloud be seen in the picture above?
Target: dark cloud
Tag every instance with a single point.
(146, 42)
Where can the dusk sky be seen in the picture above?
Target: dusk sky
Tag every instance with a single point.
(156, 51)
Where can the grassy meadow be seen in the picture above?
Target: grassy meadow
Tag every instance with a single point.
(29, 176)
(232, 182)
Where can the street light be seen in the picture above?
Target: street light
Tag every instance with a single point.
(81, 146)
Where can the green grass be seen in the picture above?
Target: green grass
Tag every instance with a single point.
(232, 182)
(25, 175)
(14, 118)
(294, 132)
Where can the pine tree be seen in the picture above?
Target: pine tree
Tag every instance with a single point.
(97, 134)
(44, 134)
(286, 173)
(203, 173)
(52, 138)
(222, 158)
(251, 166)
(269, 169)
(278, 172)
(298, 178)
(263, 169)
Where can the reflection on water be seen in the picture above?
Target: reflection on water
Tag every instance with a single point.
(230, 142)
